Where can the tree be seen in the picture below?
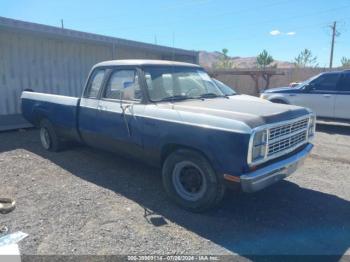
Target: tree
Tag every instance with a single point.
(225, 61)
(264, 59)
(305, 59)
(345, 62)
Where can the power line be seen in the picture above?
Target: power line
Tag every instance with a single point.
(173, 46)
(196, 4)
(165, 24)
(263, 22)
(255, 36)
(290, 18)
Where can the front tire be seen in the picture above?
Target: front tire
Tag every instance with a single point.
(191, 182)
(48, 136)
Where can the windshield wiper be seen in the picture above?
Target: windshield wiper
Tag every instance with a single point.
(209, 95)
(175, 98)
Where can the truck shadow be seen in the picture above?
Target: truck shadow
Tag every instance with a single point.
(333, 129)
(282, 219)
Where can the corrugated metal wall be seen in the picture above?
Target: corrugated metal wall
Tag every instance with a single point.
(60, 65)
(44, 65)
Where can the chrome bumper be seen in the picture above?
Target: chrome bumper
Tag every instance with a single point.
(270, 174)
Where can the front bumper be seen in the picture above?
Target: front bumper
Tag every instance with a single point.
(261, 178)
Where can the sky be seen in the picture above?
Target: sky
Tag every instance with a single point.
(283, 27)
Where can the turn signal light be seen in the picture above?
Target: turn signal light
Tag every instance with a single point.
(232, 178)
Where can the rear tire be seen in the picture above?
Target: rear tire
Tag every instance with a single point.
(48, 136)
(191, 182)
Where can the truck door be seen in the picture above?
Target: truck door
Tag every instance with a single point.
(342, 99)
(88, 107)
(319, 95)
(118, 121)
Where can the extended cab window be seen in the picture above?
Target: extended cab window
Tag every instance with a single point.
(123, 84)
(95, 83)
(325, 82)
(344, 83)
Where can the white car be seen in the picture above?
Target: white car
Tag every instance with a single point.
(327, 94)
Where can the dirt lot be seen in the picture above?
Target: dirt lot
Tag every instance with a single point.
(84, 201)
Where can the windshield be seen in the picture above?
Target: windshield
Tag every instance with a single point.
(224, 88)
(176, 83)
(306, 82)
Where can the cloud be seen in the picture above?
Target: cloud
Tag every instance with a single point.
(278, 32)
(275, 32)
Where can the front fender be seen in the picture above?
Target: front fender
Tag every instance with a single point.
(278, 97)
(226, 151)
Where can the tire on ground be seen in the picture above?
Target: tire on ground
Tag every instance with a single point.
(54, 142)
(215, 188)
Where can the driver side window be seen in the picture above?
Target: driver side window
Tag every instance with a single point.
(326, 82)
(123, 84)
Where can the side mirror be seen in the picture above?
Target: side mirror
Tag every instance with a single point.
(128, 92)
(308, 87)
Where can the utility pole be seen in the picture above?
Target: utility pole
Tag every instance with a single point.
(62, 26)
(173, 46)
(334, 34)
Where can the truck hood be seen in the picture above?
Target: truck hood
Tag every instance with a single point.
(250, 110)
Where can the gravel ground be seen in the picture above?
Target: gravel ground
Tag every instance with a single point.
(85, 201)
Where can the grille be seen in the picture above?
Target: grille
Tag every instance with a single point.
(287, 143)
(278, 140)
(281, 131)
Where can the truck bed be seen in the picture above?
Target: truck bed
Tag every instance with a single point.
(61, 111)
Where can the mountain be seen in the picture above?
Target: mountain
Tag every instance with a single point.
(208, 59)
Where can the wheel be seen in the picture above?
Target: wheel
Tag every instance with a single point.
(48, 136)
(191, 182)
(279, 101)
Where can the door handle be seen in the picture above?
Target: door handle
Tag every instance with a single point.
(327, 96)
(292, 94)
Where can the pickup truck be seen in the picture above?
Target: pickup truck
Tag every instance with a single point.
(327, 94)
(172, 115)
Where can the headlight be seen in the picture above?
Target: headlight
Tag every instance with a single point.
(259, 145)
(312, 126)
(264, 96)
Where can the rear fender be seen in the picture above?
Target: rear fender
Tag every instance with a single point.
(39, 113)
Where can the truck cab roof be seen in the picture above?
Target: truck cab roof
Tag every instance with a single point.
(144, 62)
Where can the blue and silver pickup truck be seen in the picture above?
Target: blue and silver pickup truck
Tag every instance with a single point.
(172, 115)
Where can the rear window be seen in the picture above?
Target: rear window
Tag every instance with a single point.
(344, 83)
(95, 83)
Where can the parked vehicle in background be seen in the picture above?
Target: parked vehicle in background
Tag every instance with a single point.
(225, 89)
(327, 94)
(294, 84)
(172, 115)
(230, 93)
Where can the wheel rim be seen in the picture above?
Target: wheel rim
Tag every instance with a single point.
(45, 138)
(189, 181)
